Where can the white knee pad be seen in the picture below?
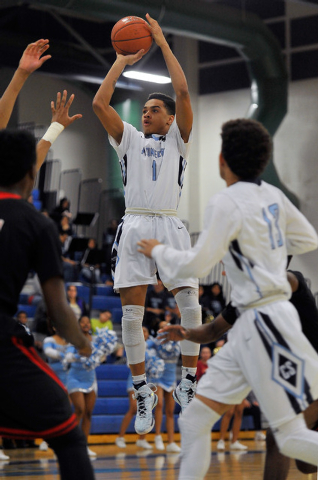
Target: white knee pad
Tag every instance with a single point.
(133, 337)
(295, 440)
(191, 317)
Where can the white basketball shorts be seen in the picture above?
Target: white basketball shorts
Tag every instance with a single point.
(268, 353)
(129, 267)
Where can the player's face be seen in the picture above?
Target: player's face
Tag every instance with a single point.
(155, 118)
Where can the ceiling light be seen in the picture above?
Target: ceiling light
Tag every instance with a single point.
(147, 77)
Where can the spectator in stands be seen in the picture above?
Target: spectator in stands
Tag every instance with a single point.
(22, 317)
(70, 267)
(63, 208)
(32, 288)
(214, 301)
(77, 303)
(82, 384)
(155, 306)
(108, 240)
(104, 320)
(90, 271)
(65, 224)
(205, 355)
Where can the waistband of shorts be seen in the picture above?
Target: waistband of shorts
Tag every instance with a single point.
(153, 213)
(263, 301)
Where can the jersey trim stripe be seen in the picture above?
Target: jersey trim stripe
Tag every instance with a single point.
(5, 195)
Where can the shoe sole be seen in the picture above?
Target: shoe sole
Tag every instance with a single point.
(143, 432)
(176, 399)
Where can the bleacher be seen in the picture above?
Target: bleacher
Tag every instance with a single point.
(112, 402)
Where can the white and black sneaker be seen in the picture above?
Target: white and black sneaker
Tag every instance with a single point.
(185, 391)
(146, 401)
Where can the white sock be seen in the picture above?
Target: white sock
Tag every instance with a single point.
(188, 371)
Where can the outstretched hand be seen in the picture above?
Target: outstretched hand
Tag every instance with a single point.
(32, 58)
(146, 246)
(156, 31)
(60, 110)
(174, 333)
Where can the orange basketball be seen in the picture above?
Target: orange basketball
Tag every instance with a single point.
(131, 34)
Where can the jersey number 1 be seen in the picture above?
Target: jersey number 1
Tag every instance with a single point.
(273, 226)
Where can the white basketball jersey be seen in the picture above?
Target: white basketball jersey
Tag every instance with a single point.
(152, 167)
(252, 227)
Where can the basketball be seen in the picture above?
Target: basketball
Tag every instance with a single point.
(131, 34)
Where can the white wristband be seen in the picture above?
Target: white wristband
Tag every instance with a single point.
(53, 132)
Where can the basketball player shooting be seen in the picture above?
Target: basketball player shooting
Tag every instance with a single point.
(152, 164)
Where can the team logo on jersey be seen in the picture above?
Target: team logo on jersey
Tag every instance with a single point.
(288, 370)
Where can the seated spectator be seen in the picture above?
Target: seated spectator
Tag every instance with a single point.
(108, 240)
(104, 320)
(32, 288)
(90, 271)
(214, 301)
(155, 306)
(63, 207)
(202, 365)
(70, 267)
(77, 304)
(118, 355)
(22, 317)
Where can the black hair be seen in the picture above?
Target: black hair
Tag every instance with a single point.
(168, 101)
(246, 147)
(17, 155)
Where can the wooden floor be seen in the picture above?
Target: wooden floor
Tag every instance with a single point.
(134, 463)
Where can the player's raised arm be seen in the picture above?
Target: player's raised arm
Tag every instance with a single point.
(31, 60)
(184, 114)
(108, 116)
(60, 120)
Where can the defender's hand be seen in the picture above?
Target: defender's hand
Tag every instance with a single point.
(146, 246)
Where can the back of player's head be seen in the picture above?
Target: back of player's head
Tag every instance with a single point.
(168, 101)
(17, 155)
(246, 147)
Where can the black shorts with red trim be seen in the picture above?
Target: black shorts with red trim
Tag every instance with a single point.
(33, 401)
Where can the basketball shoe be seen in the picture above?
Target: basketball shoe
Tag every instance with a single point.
(146, 401)
(185, 391)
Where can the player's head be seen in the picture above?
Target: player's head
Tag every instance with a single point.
(17, 158)
(246, 147)
(158, 114)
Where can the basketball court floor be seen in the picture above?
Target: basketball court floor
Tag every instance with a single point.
(132, 463)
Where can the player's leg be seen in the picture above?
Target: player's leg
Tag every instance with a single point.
(187, 299)
(277, 464)
(71, 452)
(195, 427)
(133, 301)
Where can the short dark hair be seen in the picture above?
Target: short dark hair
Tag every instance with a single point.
(246, 147)
(17, 155)
(168, 101)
